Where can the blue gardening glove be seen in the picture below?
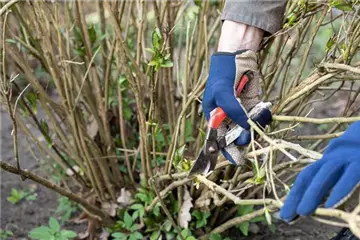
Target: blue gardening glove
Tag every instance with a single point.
(226, 70)
(337, 173)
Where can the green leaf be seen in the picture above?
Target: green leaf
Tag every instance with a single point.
(197, 214)
(267, 217)
(190, 238)
(215, 236)
(137, 235)
(250, 180)
(197, 2)
(262, 173)
(153, 63)
(156, 210)
(342, 5)
(136, 206)
(171, 235)
(244, 228)
(167, 56)
(31, 197)
(122, 81)
(119, 235)
(135, 215)
(44, 126)
(167, 225)
(258, 219)
(142, 212)
(15, 193)
(68, 234)
(329, 44)
(9, 40)
(32, 97)
(143, 197)
(179, 155)
(155, 235)
(167, 64)
(134, 227)
(13, 199)
(54, 224)
(200, 223)
(92, 34)
(128, 221)
(40, 233)
(156, 39)
(150, 50)
(184, 233)
(127, 113)
(245, 209)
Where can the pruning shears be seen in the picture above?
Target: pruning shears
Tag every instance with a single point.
(207, 157)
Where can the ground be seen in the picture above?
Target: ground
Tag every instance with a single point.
(26, 215)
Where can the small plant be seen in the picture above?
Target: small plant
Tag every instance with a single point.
(18, 195)
(201, 218)
(159, 59)
(244, 227)
(130, 226)
(186, 234)
(52, 232)
(217, 236)
(65, 208)
(4, 234)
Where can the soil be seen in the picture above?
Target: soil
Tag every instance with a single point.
(26, 215)
(22, 217)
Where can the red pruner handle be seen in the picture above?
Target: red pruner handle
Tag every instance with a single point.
(243, 81)
(218, 115)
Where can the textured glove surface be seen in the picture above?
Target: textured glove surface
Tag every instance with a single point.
(337, 173)
(226, 70)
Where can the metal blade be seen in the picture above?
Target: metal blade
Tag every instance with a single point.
(233, 134)
(202, 164)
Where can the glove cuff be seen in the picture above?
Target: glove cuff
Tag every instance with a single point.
(231, 53)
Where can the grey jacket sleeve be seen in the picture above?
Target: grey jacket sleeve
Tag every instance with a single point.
(264, 14)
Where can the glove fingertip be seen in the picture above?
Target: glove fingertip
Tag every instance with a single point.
(263, 118)
(330, 203)
(287, 212)
(305, 209)
(244, 138)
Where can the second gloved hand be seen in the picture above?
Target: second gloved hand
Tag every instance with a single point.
(335, 175)
(226, 70)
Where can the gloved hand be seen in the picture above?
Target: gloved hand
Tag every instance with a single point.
(226, 70)
(338, 172)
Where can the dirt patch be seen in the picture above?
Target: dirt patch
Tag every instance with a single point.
(25, 215)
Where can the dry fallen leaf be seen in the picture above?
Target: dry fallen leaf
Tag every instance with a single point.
(110, 208)
(185, 215)
(104, 235)
(124, 199)
(92, 127)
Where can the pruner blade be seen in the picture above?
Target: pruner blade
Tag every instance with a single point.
(203, 164)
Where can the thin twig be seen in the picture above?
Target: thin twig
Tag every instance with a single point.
(316, 137)
(315, 120)
(168, 214)
(44, 182)
(85, 76)
(7, 6)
